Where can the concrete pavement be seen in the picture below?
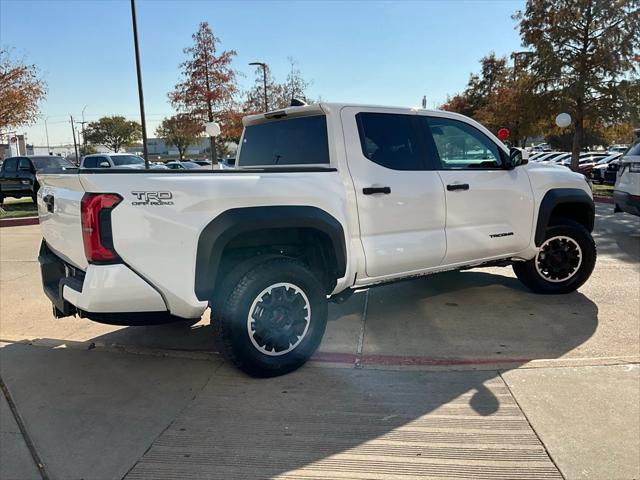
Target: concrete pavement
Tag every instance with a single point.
(93, 413)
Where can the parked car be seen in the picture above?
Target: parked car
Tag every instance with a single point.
(227, 163)
(325, 199)
(541, 147)
(182, 165)
(202, 163)
(626, 192)
(117, 160)
(618, 148)
(549, 156)
(18, 174)
(598, 173)
(586, 162)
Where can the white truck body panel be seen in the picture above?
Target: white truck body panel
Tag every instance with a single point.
(113, 289)
(419, 228)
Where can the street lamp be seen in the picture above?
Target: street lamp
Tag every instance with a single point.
(264, 82)
(143, 120)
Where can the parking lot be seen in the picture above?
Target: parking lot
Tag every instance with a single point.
(461, 374)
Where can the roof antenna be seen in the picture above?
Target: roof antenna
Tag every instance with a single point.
(296, 102)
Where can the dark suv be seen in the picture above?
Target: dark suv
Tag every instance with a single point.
(18, 174)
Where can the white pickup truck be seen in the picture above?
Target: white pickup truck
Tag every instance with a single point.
(325, 199)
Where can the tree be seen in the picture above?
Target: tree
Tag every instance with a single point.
(254, 97)
(279, 95)
(87, 150)
(582, 50)
(113, 132)
(21, 91)
(501, 97)
(295, 85)
(181, 131)
(208, 87)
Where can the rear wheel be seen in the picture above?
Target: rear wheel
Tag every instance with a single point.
(274, 318)
(565, 261)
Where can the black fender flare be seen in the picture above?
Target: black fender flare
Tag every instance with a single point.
(558, 196)
(230, 223)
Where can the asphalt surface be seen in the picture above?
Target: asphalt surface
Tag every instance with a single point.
(459, 375)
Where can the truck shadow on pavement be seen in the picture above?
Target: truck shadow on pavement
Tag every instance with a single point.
(389, 418)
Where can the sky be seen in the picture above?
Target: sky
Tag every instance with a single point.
(384, 53)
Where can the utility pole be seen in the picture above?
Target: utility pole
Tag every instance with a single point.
(84, 141)
(46, 131)
(140, 94)
(75, 145)
(264, 82)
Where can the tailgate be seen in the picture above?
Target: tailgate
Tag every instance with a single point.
(59, 210)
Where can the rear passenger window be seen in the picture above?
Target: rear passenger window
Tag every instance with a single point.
(294, 141)
(390, 140)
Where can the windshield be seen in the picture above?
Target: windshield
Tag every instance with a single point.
(52, 161)
(127, 160)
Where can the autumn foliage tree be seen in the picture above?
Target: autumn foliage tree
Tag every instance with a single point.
(582, 51)
(181, 131)
(500, 97)
(113, 132)
(21, 91)
(208, 86)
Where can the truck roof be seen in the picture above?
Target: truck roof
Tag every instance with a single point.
(326, 107)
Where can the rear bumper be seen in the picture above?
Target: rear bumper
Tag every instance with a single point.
(626, 202)
(104, 293)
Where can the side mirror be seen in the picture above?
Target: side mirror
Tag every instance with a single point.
(517, 157)
(104, 165)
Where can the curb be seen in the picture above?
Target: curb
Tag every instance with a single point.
(19, 222)
(344, 360)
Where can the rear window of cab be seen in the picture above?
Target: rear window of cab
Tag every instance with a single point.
(287, 141)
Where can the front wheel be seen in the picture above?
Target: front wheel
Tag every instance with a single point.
(564, 262)
(274, 318)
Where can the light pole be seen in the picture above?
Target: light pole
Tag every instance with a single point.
(516, 61)
(264, 82)
(140, 94)
(46, 131)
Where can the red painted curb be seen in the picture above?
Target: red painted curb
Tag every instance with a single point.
(608, 200)
(402, 360)
(421, 361)
(18, 222)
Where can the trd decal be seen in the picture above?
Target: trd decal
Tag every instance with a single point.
(153, 198)
(498, 235)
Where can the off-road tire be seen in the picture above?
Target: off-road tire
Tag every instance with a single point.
(529, 275)
(230, 316)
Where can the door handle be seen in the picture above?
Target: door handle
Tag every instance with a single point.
(458, 186)
(48, 201)
(372, 190)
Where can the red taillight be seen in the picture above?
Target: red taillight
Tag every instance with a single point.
(96, 226)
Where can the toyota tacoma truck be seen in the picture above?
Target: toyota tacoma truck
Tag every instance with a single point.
(325, 199)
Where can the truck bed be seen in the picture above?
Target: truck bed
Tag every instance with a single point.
(157, 225)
